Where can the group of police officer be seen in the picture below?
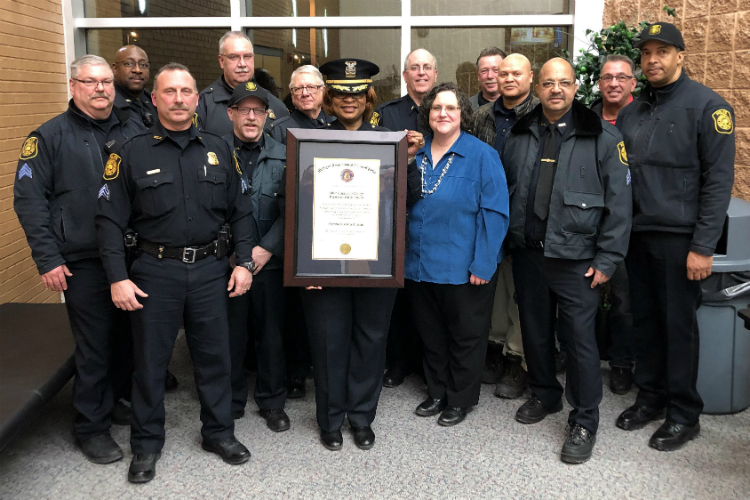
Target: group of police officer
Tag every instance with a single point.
(168, 208)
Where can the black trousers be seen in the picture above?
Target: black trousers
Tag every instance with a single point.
(195, 294)
(266, 298)
(621, 319)
(664, 302)
(296, 343)
(404, 350)
(544, 285)
(454, 324)
(348, 330)
(96, 325)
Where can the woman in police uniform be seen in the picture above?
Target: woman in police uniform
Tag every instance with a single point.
(348, 327)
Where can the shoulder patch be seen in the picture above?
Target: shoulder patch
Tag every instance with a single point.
(24, 171)
(195, 119)
(29, 149)
(622, 153)
(375, 118)
(112, 168)
(723, 121)
(237, 164)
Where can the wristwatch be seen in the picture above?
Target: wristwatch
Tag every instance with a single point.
(250, 266)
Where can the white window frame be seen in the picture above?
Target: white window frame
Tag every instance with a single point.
(586, 15)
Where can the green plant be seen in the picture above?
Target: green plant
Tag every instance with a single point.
(617, 39)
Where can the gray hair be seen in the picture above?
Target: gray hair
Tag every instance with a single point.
(87, 60)
(309, 69)
(233, 34)
(406, 61)
(173, 66)
(491, 52)
(620, 58)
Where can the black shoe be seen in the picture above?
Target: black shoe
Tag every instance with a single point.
(578, 445)
(494, 364)
(238, 414)
(672, 436)
(120, 414)
(276, 419)
(620, 380)
(364, 438)
(430, 407)
(561, 361)
(231, 451)
(394, 377)
(513, 384)
(332, 440)
(638, 416)
(143, 467)
(170, 383)
(452, 415)
(533, 411)
(296, 388)
(100, 449)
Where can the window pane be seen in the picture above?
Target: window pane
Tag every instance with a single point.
(488, 7)
(156, 8)
(321, 8)
(196, 48)
(281, 51)
(457, 49)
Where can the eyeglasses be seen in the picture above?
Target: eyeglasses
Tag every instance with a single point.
(92, 84)
(448, 109)
(563, 84)
(246, 111)
(133, 64)
(620, 78)
(236, 57)
(425, 67)
(312, 89)
(344, 95)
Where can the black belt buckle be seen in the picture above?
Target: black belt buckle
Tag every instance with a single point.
(185, 253)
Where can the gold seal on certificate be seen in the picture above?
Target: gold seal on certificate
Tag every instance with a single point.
(346, 201)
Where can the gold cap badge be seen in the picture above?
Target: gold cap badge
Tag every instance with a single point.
(351, 69)
(251, 86)
(655, 29)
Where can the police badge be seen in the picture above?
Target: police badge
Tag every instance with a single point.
(29, 149)
(112, 168)
(723, 121)
(212, 159)
(251, 86)
(622, 152)
(351, 69)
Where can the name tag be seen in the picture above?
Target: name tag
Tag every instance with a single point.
(152, 172)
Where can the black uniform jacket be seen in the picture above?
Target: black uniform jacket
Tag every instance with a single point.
(264, 187)
(591, 203)
(170, 196)
(212, 108)
(298, 120)
(58, 176)
(399, 114)
(137, 110)
(680, 144)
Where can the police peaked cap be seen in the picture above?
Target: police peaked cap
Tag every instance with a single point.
(351, 76)
(248, 89)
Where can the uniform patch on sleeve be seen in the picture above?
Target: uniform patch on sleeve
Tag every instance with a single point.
(112, 168)
(104, 192)
(622, 153)
(723, 121)
(195, 119)
(25, 171)
(29, 149)
(237, 165)
(375, 118)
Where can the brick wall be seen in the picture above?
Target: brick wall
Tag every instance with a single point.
(717, 39)
(33, 89)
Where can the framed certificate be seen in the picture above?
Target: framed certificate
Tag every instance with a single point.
(345, 215)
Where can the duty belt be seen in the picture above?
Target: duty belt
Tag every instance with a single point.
(186, 254)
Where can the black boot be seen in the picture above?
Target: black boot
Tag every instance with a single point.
(513, 384)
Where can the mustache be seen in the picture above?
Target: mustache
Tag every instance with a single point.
(177, 107)
(242, 70)
(100, 94)
(556, 96)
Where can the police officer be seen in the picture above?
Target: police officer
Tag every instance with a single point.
(488, 66)
(569, 227)
(58, 176)
(306, 87)
(176, 187)
(492, 122)
(680, 141)
(237, 60)
(261, 161)
(404, 352)
(131, 70)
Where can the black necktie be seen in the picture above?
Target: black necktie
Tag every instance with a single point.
(546, 173)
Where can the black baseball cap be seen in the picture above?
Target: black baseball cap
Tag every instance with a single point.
(664, 32)
(351, 76)
(248, 89)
